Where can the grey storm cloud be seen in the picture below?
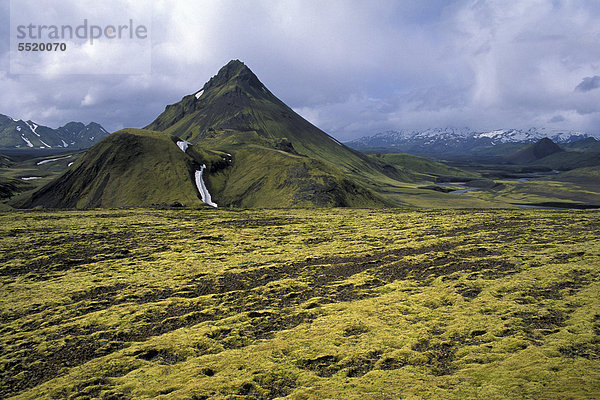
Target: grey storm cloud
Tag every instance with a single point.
(556, 119)
(589, 83)
(351, 67)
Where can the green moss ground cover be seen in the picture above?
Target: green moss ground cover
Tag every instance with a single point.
(300, 304)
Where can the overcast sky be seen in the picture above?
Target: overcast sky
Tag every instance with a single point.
(352, 67)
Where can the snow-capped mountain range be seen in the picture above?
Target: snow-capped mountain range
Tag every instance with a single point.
(443, 140)
(20, 134)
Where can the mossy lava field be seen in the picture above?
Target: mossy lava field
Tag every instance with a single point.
(300, 304)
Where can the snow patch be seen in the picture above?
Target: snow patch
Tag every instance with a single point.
(51, 160)
(45, 144)
(202, 187)
(33, 127)
(29, 144)
(200, 93)
(65, 144)
(466, 136)
(71, 163)
(19, 128)
(183, 145)
(491, 134)
(29, 178)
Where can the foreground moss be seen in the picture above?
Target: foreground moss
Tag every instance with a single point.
(302, 304)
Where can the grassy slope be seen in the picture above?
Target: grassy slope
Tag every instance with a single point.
(130, 168)
(11, 173)
(586, 145)
(140, 167)
(591, 174)
(570, 160)
(9, 187)
(339, 303)
(5, 161)
(425, 166)
(262, 176)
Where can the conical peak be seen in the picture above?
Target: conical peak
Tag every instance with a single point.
(233, 67)
(237, 71)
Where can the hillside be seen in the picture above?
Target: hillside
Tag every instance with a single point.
(129, 168)
(5, 161)
(589, 145)
(423, 168)
(264, 177)
(569, 160)
(585, 175)
(546, 153)
(534, 152)
(142, 168)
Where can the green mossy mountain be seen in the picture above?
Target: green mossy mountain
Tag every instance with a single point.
(234, 107)
(129, 168)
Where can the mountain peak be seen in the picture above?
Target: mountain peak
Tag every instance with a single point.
(535, 151)
(544, 147)
(234, 65)
(234, 71)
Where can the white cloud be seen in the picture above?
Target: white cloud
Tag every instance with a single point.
(88, 100)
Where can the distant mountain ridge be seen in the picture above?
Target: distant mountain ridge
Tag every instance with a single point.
(459, 140)
(20, 134)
